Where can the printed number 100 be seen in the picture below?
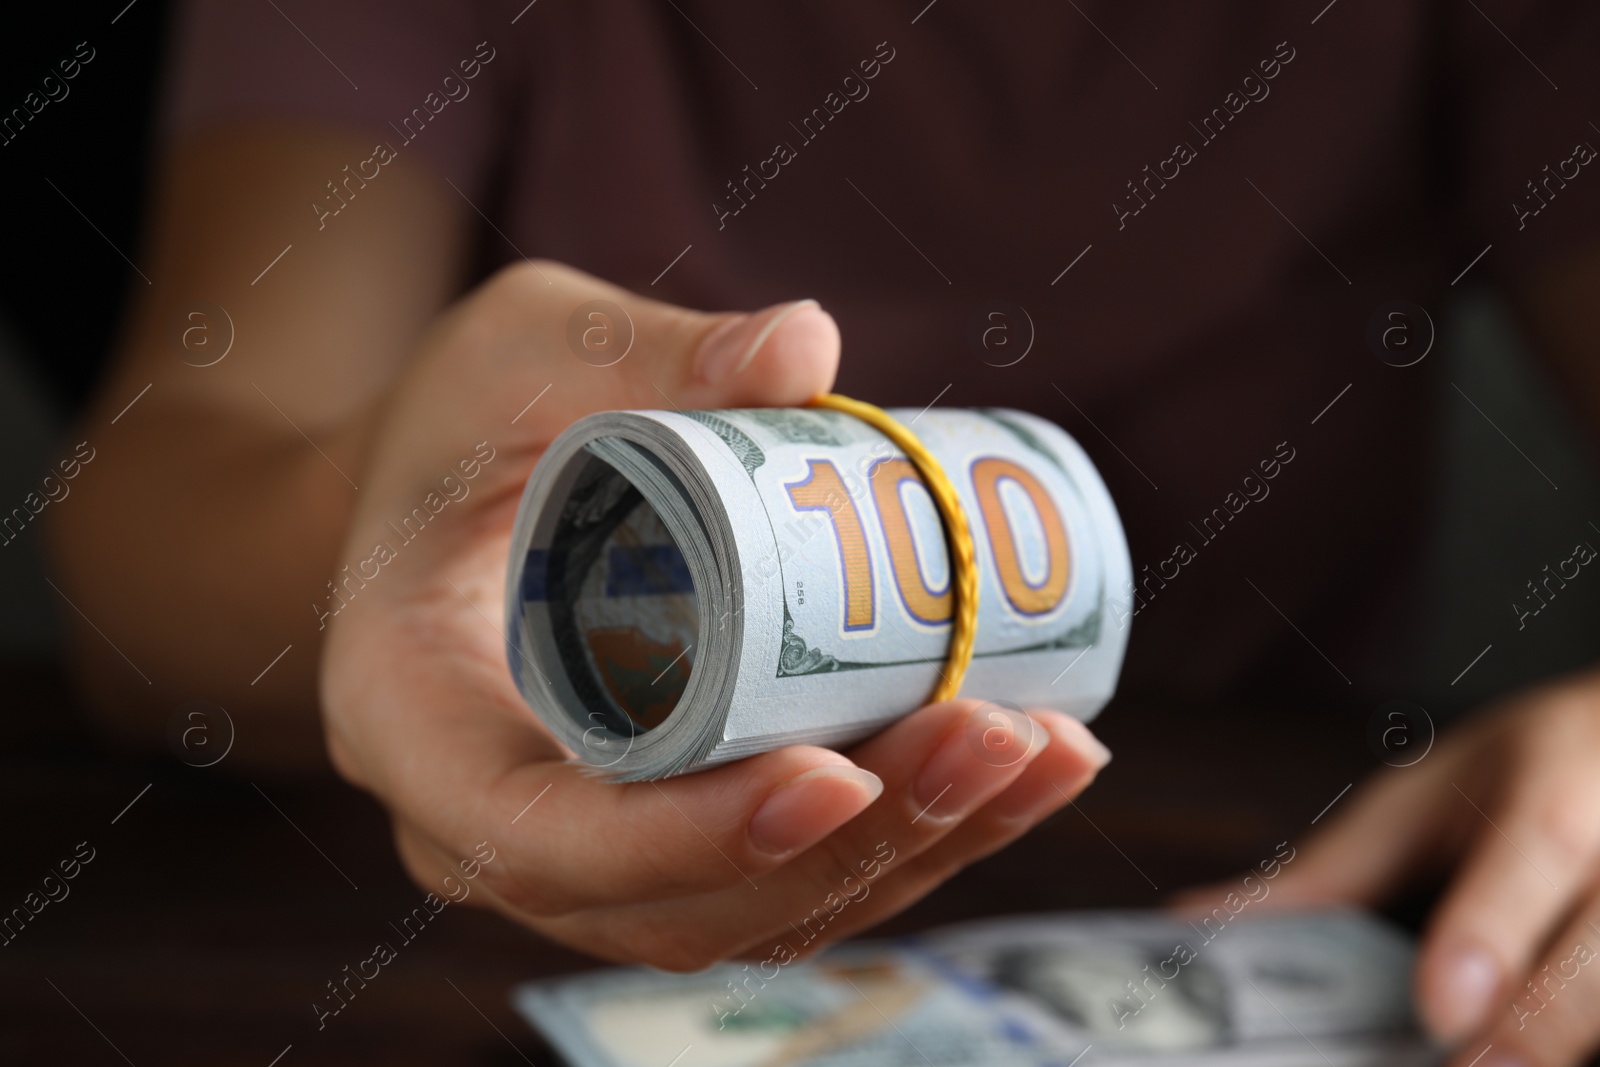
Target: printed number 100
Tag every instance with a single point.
(823, 490)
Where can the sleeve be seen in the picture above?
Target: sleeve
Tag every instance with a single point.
(420, 75)
(1525, 77)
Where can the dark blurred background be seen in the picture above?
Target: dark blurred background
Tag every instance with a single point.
(205, 927)
(66, 286)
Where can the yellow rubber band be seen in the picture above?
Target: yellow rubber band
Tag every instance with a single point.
(958, 535)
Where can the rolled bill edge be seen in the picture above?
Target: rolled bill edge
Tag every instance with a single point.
(772, 657)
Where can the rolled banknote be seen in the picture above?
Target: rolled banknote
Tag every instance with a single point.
(687, 588)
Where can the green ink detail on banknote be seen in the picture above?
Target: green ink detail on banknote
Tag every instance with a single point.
(746, 451)
(799, 426)
(797, 656)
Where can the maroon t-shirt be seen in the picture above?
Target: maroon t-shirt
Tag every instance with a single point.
(1179, 230)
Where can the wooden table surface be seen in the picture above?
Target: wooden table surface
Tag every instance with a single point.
(219, 904)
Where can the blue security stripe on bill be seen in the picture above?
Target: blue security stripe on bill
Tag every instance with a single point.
(631, 570)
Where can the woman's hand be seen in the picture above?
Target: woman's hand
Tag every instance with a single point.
(420, 708)
(1510, 959)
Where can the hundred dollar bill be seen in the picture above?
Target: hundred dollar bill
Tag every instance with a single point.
(1315, 989)
(859, 1006)
(687, 588)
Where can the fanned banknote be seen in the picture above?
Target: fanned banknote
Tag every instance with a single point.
(687, 588)
(1145, 988)
(1314, 989)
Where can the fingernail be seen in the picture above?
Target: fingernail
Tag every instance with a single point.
(1045, 796)
(1468, 978)
(732, 344)
(1070, 731)
(810, 806)
(964, 771)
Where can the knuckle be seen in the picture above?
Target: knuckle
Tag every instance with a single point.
(516, 285)
(342, 756)
(1568, 718)
(520, 276)
(683, 329)
(414, 858)
(1563, 820)
(529, 894)
(676, 951)
(420, 876)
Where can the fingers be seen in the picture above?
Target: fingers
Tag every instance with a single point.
(1070, 759)
(1068, 765)
(939, 773)
(591, 843)
(1528, 860)
(1388, 830)
(783, 355)
(603, 347)
(1551, 1018)
(1384, 835)
(459, 757)
(541, 345)
(432, 868)
(939, 766)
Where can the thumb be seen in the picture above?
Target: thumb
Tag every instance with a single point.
(781, 356)
(602, 347)
(1387, 833)
(541, 345)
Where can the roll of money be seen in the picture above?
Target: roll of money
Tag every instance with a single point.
(687, 588)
